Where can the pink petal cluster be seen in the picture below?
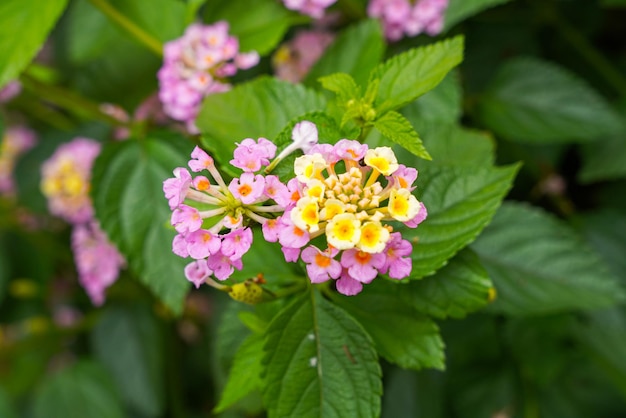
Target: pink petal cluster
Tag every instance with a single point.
(16, 141)
(10, 90)
(66, 180)
(196, 65)
(97, 260)
(346, 193)
(212, 217)
(293, 60)
(313, 8)
(408, 17)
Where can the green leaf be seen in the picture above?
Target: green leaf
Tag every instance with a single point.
(534, 101)
(127, 341)
(32, 20)
(356, 51)
(79, 391)
(461, 287)
(127, 194)
(605, 231)
(260, 108)
(440, 105)
(409, 75)
(259, 25)
(343, 85)
(245, 373)
(459, 10)
(542, 267)
(603, 160)
(398, 129)
(402, 335)
(5, 267)
(460, 201)
(320, 362)
(6, 408)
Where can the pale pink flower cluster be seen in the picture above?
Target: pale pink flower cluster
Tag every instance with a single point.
(66, 181)
(16, 141)
(408, 17)
(10, 90)
(313, 8)
(97, 260)
(212, 218)
(293, 60)
(346, 193)
(196, 65)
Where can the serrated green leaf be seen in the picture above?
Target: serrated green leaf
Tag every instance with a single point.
(604, 160)
(398, 129)
(459, 10)
(441, 105)
(459, 288)
(245, 373)
(259, 25)
(127, 341)
(33, 20)
(534, 101)
(402, 335)
(127, 194)
(542, 267)
(79, 391)
(320, 363)
(260, 108)
(409, 75)
(356, 51)
(460, 201)
(342, 84)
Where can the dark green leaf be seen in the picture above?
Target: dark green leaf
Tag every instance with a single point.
(356, 51)
(32, 20)
(245, 373)
(460, 202)
(128, 343)
(260, 108)
(6, 408)
(459, 288)
(320, 362)
(127, 193)
(402, 335)
(440, 105)
(409, 75)
(604, 160)
(79, 391)
(542, 266)
(605, 231)
(531, 100)
(398, 129)
(459, 10)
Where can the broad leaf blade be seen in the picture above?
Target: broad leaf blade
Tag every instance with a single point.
(397, 128)
(402, 335)
(32, 20)
(456, 290)
(534, 101)
(440, 105)
(540, 266)
(459, 10)
(409, 75)
(320, 363)
(460, 202)
(127, 183)
(604, 159)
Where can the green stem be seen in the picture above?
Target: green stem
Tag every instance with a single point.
(598, 61)
(68, 100)
(129, 26)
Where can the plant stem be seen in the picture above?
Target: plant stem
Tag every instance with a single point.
(129, 26)
(68, 100)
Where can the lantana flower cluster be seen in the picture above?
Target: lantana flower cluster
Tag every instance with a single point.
(16, 141)
(196, 65)
(313, 8)
(346, 194)
(66, 181)
(213, 218)
(293, 60)
(408, 17)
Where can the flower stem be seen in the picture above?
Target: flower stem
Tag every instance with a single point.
(129, 26)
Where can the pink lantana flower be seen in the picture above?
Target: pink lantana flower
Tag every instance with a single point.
(408, 17)
(248, 188)
(197, 272)
(313, 8)
(321, 266)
